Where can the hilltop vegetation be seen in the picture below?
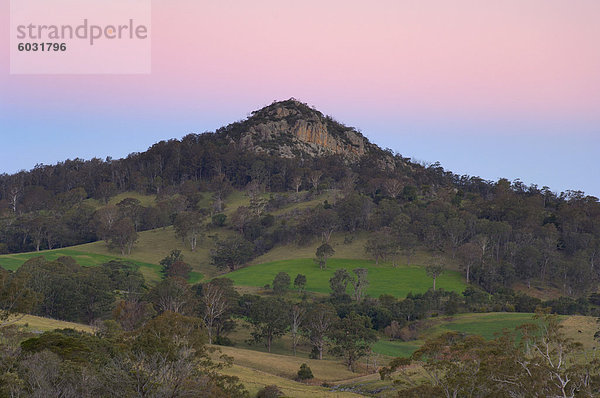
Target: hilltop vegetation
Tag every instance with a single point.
(500, 233)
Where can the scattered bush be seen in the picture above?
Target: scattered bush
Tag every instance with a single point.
(281, 283)
(271, 391)
(218, 220)
(393, 331)
(305, 373)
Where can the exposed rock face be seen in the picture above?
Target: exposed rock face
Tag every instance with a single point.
(290, 128)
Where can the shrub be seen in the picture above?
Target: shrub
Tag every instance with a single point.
(393, 331)
(281, 283)
(305, 373)
(271, 391)
(218, 220)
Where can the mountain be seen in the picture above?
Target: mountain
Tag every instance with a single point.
(291, 128)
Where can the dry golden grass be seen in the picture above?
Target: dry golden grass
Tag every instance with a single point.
(145, 200)
(581, 329)
(154, 245)
(254, 380)
(37, 323)
(354, 250)
(543, 292)
(287, 366)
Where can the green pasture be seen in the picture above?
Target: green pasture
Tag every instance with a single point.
(150, 271)
(487, 325)
(383, 279)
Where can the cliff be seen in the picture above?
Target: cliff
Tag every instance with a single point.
(292, 128)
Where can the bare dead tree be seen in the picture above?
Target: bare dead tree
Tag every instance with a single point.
(297, 315)
(314, 177)
(297, 182)
(215, 305)
(318, 323)
(393, 187)
(360, 283)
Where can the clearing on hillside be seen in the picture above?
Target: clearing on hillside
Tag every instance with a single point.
(150, 271)
(383, 278)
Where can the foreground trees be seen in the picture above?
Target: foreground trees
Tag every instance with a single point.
(16, 298)
(215, 305)
(536, 360)
(269, 319)
(167, 357)
(67, 291)
(352, 338)
(319, 321)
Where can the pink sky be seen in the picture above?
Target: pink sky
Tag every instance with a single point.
(492, 57)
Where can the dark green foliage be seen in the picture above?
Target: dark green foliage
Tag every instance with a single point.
(271, 391)
(351, 338)
(269, 318)
(173, 265)
(218, 220)
(165, 357)
(179, 269)
(323, 253)
(69, 345)
(339, 282)
(383, 245)
(123, 236)
(172, 294)
(281, 283)
(232, 253)
(300, 282)
(124, 276)
(16, 297)
(305, 373)
(71, 292)
(174, 256)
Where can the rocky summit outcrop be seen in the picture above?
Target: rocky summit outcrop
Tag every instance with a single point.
(292, 128)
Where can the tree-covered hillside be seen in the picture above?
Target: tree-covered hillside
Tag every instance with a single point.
(499, 233)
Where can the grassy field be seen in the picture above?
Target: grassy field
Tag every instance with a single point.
(486, 325)
(87, 259)
(154, 245)
(396, 348)
(145, 200)
(151, 271)
(581, 329)
(39, 324)
(258, 369)
(287, 365)
(254, 380)
(383, 279)
(345, 246)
